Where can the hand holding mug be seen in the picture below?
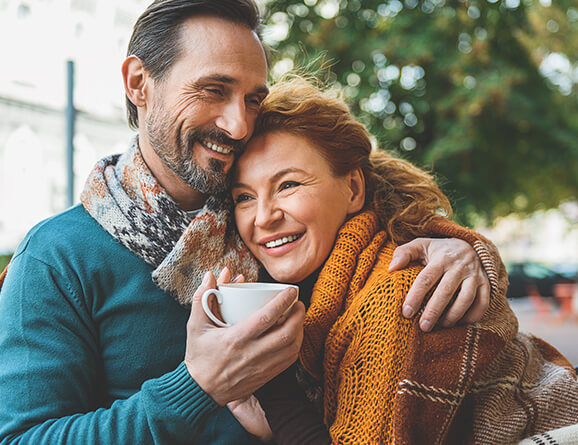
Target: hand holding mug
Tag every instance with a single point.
(232, 363)
(239, 300)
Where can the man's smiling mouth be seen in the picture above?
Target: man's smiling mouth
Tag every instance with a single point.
(217, 148)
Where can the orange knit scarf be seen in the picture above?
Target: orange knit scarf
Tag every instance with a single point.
(356, 306)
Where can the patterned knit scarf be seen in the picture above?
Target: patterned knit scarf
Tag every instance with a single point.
(125, 198)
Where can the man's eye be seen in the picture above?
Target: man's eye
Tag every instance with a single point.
(289, 184)
(243, 197)
(215, 91)
(254, 101)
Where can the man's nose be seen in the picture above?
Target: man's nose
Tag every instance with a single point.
(233, 120)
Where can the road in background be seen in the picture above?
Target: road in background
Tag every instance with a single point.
(545, 319)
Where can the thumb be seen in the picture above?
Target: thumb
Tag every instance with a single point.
(198, 316)
(403, 255)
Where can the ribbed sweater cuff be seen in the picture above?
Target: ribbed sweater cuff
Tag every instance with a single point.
(181, 392)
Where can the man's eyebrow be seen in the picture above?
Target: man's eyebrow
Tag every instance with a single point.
(274, 178)
(221, 78)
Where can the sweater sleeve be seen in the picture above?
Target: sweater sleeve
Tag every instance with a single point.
(52, 386)
(486, 251)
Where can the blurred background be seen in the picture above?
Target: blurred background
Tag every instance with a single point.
(484, 93)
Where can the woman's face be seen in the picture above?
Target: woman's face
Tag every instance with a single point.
(288, 204)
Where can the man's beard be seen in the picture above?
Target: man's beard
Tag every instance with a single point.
(179, 156)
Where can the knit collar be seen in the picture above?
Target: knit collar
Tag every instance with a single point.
(343, 275)
(124, 197)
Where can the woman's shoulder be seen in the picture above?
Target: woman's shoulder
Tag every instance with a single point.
(380, 270)
(382, 285)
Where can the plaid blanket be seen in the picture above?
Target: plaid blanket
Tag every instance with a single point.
(385, 381)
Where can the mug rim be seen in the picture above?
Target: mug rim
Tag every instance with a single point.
(257, 286)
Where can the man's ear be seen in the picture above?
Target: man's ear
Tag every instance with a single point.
(135, 79)
(357, 188)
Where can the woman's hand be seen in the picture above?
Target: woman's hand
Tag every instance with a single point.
(452, 268)
(252, 417)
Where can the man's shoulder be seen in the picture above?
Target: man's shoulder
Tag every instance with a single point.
(69, 233)
(72, 225)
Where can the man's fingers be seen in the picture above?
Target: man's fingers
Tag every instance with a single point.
(461, 304)
(239, 279)
(480, 306)
(284, 341)
(439, 300)
(198, 316)
(224, 276)
(263, 319)
(412, 251)
(423, 284)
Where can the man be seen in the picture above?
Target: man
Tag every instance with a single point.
(92, 349)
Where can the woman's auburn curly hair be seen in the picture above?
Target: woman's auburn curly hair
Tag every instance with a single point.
(404, 197)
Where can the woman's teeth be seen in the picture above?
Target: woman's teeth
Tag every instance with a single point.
(217, 148)
(281, 241)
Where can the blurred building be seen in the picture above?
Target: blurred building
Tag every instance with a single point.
(37, 37)
(549, 236)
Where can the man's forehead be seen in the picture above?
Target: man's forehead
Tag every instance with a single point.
(216, 47)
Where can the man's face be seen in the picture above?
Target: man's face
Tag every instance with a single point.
(203, 111)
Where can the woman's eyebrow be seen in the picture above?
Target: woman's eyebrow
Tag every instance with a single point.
(273, 178)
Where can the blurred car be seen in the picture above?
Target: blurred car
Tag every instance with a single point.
(531, 278)
(569, 270)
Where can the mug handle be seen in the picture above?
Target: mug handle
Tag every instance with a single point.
(205, 303)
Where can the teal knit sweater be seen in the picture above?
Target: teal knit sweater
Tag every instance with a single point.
(91, 350)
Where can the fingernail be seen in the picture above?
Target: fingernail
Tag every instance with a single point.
(408, 311)
(292, 292)
(425, 325)
(238, 277)
(206, 277)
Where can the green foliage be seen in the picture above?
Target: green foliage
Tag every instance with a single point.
(4, 260)
(453, 86)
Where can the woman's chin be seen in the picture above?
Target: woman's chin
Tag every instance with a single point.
(288, 277)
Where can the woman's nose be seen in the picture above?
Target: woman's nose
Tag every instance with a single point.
(268, 213)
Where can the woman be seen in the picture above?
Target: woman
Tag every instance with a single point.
(317, 207)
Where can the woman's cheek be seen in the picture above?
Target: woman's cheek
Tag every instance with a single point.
(242, 219)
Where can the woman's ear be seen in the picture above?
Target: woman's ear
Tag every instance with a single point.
(357, 188)
(134, 76)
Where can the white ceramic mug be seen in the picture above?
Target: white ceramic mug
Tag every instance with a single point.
(239, 300)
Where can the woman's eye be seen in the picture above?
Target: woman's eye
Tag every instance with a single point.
(289, 184)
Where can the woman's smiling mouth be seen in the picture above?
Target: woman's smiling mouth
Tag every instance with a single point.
(282, 241)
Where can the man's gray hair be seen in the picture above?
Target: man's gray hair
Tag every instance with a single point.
(156, 37)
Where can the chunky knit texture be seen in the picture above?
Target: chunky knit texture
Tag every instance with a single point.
(385, 381)
(126, 199)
